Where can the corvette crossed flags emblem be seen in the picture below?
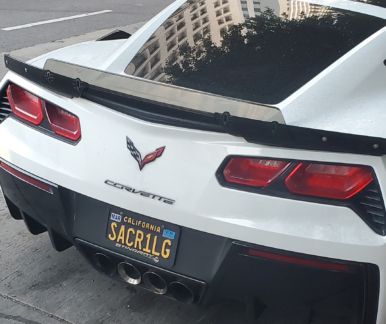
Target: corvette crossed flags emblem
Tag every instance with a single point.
(137, 155)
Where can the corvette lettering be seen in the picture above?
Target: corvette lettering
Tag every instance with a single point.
(139, 192)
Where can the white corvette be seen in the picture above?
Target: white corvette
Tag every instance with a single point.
(229, 148)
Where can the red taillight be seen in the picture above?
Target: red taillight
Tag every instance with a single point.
(25, 104)
(35, 182)
(329, 181)
(63, 122)
(254, 172)
(304, 262)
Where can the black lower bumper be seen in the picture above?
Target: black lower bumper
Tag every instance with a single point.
(209, 265)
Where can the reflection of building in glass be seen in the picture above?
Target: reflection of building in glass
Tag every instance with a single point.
(298, 10)
(201, 18)
(252, 8)
(186, 26)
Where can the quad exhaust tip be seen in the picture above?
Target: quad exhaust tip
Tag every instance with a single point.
(155, 283)
(129, 273)
(181, 292)
(152, 280)
(104, 263)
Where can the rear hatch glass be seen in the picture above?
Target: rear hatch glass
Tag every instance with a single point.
(256, 50)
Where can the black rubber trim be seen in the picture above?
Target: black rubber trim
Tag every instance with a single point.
(253, 131)
(371, 298)
(114, 35)
(152, 112)
(275, 134)
(278, 189)
(60, 84)
(368, 271)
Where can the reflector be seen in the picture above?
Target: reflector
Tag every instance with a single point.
(35, 182)
(25, 104)
(304, 262)
(254, 172)
(329, 181)
(63, 122)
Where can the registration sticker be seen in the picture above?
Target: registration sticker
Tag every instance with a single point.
(169, 234)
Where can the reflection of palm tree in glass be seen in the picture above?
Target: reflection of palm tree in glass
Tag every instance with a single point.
(269, 57)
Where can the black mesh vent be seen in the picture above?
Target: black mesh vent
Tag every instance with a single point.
(5, 108)
(371, 204)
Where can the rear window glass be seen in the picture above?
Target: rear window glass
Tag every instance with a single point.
(260, 51)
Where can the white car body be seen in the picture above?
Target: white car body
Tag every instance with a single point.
(346, 97)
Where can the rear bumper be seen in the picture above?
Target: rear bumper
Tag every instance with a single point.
(210, 265)
(211, 218)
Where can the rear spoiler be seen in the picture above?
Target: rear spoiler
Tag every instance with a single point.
(176, 106)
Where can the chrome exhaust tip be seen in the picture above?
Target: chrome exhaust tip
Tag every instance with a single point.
(181, 292)
(129, 273)
(104, 263)
(155, 283)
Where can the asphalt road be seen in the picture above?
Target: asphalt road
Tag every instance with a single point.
(20, 12)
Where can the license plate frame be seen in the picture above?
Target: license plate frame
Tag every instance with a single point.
(142, 237)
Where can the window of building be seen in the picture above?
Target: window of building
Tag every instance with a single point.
(220, 21)
(170, 33)
(216, 4)
(172, 58)
(180, 16)
(197, 37)
(226, 10)
(139, 59)
(156, 73)
(205, 20)
(171, 44)
(181, 25)
(153, 47)
(203, 11)
(206, 30)
(228, 18)
(143, 72)
(218, 13)
(154, 60)
(182, 36)
(194, 7)
(196, 25)
(194, 16)
(168, 24)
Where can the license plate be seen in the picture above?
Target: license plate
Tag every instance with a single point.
(143, 237)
